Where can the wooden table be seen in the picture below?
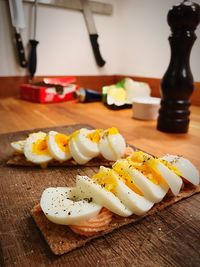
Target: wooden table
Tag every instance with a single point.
(17, 115)
(170, 238)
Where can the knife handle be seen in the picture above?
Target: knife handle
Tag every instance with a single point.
(32, 57)
(20, 50)
(95, 46)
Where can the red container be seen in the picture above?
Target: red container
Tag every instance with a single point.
(50, 90)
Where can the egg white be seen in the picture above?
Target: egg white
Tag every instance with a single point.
(106, 149)
(173, 180)
(87, 188)
(30, 154)
(76, 154)
(169, 177)
(118, 144)
(188, 170)
(151, 191)
(18, 146)
(56, 152)
(112, 145)
(60, 206)
(133, 201)
(87, 147)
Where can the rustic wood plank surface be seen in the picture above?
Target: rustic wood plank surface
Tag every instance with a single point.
(169, 238)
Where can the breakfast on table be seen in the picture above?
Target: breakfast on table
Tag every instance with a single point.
(132, 185)
(80, 147)
(99, 136)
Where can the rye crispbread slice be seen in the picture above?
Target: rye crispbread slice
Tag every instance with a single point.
(61, 239)
(20, 160)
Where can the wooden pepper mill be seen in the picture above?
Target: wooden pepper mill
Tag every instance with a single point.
(177, 83)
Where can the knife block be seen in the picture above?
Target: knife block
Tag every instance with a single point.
(177, 83)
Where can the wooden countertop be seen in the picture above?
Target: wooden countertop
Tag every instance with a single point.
(17, 115)
(170, 238)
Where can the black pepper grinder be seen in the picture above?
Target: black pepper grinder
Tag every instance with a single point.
(177, 83)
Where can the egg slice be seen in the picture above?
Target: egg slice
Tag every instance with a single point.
(156, 171)
(87, 142)
(106, 149)
(87, 188)
(75, 152)
(19, 146)
(111, 181)
(187, 170)
(112, 144)
(60, 206)
(171, 178)
(153, 190)
(36, 149)
(58, 145)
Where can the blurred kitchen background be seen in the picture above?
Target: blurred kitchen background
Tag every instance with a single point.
(133, 40)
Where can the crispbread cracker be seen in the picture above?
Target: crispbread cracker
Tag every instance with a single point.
(62, 239)
(20, 160)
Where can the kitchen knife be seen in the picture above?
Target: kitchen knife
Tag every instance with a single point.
(32, 63)
(92, 32)
(17, 18)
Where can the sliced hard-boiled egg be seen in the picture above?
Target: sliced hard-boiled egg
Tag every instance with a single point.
(106, 178)
(106, 149)
(87, 142)
(136, 203)
(112, 144)
(111, 181)
(187, 170)
(75, 152)
(156, 171)
(139, 182)
(117, 142)
(19, 146)
(36, 149)
(171, 178)
(87, 188)
(60, 206)
(58, 145)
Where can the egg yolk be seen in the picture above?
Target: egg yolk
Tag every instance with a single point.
(126, 178)
(62, 141)
(95, 136)
(147, 165)
(106, 179)
(111, 130)
(140, 157)
(40, 147)
(148, 171)
(173, 168)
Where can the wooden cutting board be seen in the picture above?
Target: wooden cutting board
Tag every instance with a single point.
(170, 237)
